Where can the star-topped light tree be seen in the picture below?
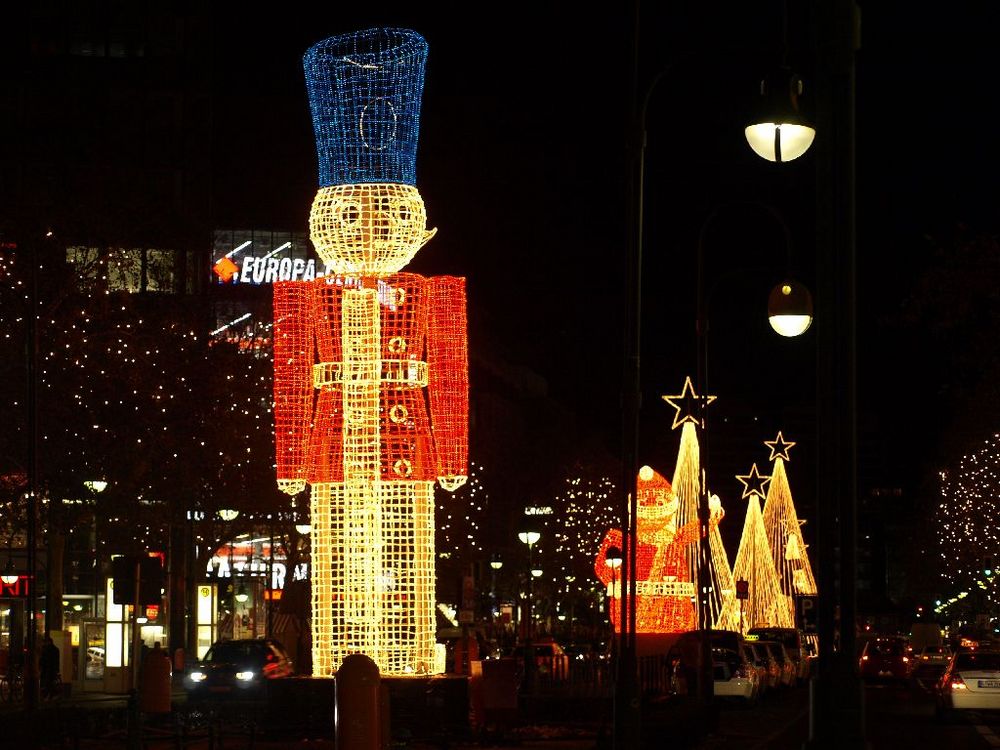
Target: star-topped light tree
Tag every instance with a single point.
(687, 485)
(784, 530)
(765, 605)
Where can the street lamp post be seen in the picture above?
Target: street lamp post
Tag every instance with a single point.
(790, 313)
(626, 709)
(529, 537)
(836, 693)
(496, 562)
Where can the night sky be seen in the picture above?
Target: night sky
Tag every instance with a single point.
(522, 164)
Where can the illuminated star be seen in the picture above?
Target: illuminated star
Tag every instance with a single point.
(755, 479)
(688, 403)
(779, 447)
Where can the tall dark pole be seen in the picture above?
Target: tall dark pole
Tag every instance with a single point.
(706, 686)
(30, 665)
(836, 693)
(626, 701)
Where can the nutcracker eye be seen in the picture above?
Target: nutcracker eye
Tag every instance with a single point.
(349, 213)
(403, 213)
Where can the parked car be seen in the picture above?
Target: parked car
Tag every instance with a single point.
(792, 640)
(734, 676)
(970, 682)
(885, 658)
(240, 668)
(787, 669)
(683, 657)
(767, 663)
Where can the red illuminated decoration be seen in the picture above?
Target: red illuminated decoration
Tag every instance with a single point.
(664, 589)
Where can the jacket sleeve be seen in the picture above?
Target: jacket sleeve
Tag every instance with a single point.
(448, 380)
(293, 387)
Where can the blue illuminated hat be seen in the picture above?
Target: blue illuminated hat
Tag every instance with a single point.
(364, 92)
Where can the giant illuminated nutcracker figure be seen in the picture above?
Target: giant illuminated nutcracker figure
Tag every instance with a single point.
(370, 364)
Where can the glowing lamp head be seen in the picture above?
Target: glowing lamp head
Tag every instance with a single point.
(529, 537)
(613, 558)
(241, 594)
(778, 132)
(303, 528)
(228, 514)
(496, 562)
(790, 308)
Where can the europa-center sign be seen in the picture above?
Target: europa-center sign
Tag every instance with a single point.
(255, 257)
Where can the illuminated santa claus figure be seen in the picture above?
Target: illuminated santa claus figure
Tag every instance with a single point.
(664, 591)
(370, 364)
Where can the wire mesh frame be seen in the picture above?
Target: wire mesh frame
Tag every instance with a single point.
(784, 533)
(765, 606)
(365, 90)
(369, 429)
(368, 230)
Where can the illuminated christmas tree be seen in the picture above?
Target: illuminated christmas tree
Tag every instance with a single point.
(687, 486)
(784, 532)
(765, 605)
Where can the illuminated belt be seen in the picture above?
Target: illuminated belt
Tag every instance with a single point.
(663, 588)
(407, 372)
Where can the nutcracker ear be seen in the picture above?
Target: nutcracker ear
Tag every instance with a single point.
(427, 236)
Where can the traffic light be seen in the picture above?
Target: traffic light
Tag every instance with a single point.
(989, 564)
(150, 579)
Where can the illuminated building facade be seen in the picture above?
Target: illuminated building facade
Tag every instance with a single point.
(371, 373)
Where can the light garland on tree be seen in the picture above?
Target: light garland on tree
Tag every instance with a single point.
(129, 390)
(784, 530)
(371, 365)
(968, 540)
(687, 484)
(765, 605)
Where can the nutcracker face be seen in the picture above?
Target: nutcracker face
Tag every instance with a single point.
(368, 229)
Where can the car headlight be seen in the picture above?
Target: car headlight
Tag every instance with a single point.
(197, 676)
(245, 676)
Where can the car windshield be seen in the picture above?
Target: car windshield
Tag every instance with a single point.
(980, 660)
(233, 652)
